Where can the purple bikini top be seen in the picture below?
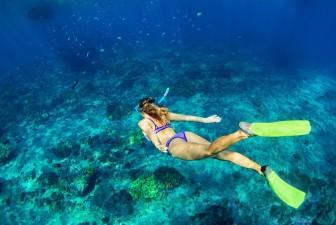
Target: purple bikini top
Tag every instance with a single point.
(157, 128)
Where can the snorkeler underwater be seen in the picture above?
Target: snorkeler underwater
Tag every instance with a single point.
(167, 112)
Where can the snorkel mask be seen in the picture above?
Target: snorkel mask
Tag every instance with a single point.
(150, 100)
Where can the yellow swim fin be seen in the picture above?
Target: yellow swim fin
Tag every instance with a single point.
(277, 129)
(287, 193)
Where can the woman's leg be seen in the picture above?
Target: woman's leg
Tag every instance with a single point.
(194, 149)
(191, 137)
(226, 142)
(199, 148)
(238, 159)
(178, 148)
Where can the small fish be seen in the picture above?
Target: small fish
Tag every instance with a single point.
(87, 54)
(74, 85)
(199, 14)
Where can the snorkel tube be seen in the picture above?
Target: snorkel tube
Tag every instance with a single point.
(164, 96)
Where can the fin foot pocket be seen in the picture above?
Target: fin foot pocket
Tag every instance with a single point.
(245, 127)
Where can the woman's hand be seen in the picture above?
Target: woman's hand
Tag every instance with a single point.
(212, 119)
(162, 148)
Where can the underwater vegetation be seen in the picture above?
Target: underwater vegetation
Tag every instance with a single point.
(5, 150)
(118, 110)
(65, 149)
(85, 182)
(154, 186)
(146, 187)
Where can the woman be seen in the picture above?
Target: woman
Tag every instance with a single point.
(187, 145)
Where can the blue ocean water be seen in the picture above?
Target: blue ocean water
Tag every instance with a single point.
(71, 73)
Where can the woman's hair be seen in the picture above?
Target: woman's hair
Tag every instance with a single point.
(149, 106)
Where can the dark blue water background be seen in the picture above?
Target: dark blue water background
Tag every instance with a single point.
(286, 33)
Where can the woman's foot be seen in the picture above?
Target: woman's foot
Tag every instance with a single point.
(266, 170)
(242, 134)
(245, 127)
(258, 169)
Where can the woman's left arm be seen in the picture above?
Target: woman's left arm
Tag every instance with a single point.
(181, 117)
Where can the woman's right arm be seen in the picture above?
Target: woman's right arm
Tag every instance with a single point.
(148, 131)
(181, 117)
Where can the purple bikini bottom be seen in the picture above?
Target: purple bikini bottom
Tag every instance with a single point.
(178, 135)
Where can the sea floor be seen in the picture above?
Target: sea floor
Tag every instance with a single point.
(78, 157)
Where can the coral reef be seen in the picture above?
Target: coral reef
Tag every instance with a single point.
(169, 177)
(214, 215)
(136, 137)
(81, 158)
(5, 150)
(118, 110)
(48, 179)
(326, 214)
(65, 149)
(120, 203)
(85, 183)
(146, 187)
(154, 186)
